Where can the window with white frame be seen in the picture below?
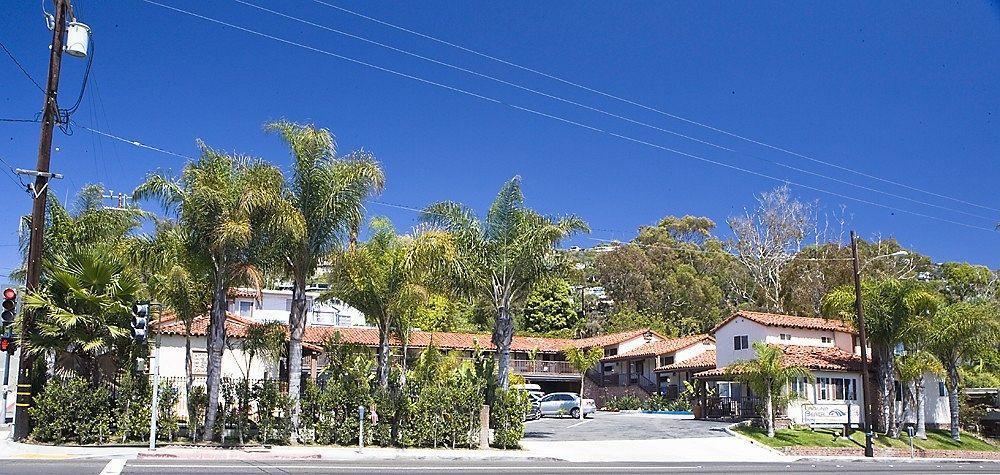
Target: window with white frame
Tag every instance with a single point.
(785, 337)
(836, 389)
(741, 342)
(724, 389)
(942, 390)
(666, 359)
(798, 387)
(246, 307)
(826, 339)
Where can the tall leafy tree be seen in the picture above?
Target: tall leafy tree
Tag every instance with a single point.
(964, 331)
(231, 208)
(501, 257)
(767, 375)
(325, 198)
(890, 306)
(550, 308)
(387, 278)
(675, 273)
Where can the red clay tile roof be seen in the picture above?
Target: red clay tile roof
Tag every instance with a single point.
(368, 336)
(242, 293)
(657, 348)
(810, 357)
(236, 327)
(612, 338)
(789, 321)
(706, 360)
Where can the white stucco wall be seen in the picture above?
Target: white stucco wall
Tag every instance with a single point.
(691, 351)
(724, 340)
(234, 361)
(274, 306)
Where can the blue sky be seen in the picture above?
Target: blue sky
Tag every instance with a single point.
(904, 92)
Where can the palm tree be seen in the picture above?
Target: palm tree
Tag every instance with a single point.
(325, 197)
(230, 207)
(386, 279)
(501, 257)
(767, 375)
(582, 360)
(84, 312)
(890, 308)
(266, 340)
(911, 369)
(964, 331)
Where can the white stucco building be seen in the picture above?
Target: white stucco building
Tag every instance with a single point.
(827, 348)
(272, 305)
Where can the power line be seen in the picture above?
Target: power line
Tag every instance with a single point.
(130, 142)
(561, 119)
(24, 71)
(611, 114)
(6, 119)
(652, 109)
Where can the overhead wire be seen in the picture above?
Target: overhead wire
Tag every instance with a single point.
(653, 109)
(557, 118)
(614, 115)
(23, 71)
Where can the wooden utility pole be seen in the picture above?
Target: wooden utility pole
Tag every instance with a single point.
(863, 337)
(50, 115)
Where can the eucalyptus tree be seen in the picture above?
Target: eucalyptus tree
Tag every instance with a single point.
(231, 207)
(767, 375)
(890, 308)
(387, 279)
(325, 198)
(501, 257)
(963, 332)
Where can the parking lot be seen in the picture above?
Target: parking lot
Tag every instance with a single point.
(618, 426)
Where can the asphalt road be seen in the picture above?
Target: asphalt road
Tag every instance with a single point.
(96, 466)
(618, 426)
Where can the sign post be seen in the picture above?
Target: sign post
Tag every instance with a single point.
(361, 427)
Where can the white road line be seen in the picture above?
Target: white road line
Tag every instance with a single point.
(114, 467)
(352, 468)
(579, 423)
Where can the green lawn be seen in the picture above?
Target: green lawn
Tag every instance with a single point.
(936, 439)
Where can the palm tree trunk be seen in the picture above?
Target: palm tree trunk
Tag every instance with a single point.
(503, 333)
(769, 417)
(297, 327)
(216, 345)
(885, 402)
(383, 355)
(921, 403)
(189, 383)
(582, 376)
(952, 368)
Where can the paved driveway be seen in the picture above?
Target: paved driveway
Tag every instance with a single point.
(618, 426)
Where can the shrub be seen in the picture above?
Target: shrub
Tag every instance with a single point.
(507, 417)
(626, 402)
(132, 402)
(72, 410)
(273, 422)
(166, 416)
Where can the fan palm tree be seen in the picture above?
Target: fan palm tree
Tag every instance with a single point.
(387, 277)
(583, 360)
(890, 308)
(230, 207)
(963, 331)
(767, 375)
(325, 195)
(501, 257)
(84, 312)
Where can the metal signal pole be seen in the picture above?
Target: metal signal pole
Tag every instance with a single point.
(50, 115)
(862, 334)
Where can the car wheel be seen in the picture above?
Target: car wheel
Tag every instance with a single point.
(588, 416)
(575, 413)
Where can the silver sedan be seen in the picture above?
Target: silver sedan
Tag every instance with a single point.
(563, 404)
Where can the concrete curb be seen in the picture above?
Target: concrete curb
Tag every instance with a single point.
(729, 430)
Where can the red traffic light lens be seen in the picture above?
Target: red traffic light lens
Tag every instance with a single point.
(4, 344)
(9, 294)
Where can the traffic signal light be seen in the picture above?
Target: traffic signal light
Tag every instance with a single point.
(7, 343)
(140, 321)
(9, 302)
